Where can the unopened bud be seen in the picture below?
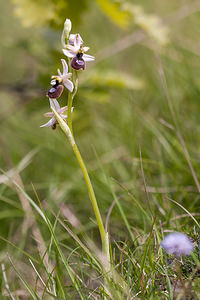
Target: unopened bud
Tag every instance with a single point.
(67, 26)
(66, 31)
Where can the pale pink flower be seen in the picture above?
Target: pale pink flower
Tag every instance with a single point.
(77, 53)
(60, 110)
(63, 77)
(177, 243)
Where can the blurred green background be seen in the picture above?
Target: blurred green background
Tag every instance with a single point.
(120, 107)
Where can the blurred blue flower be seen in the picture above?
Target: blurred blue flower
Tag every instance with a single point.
(177, 243)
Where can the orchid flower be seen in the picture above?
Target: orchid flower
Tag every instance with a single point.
(74, 37)
(77, 53)
(60, 110)
(63, 77)
(177, 243)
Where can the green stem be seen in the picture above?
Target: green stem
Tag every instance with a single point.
(71, 97)
(67, 131)
(91, 192)
(69, 113)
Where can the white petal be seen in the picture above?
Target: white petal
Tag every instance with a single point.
(49, 123)
(77, 41)
(71, 48)
(54, 103)
(69, 53)
(87, 57)
(65, 66)
(72, 38)
(85, 49)
(68, 26)
(66, 76)
(69, 85)
(59, 73)
(53, 81)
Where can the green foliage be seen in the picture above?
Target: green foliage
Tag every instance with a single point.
(151, 24)
(35, 13)
(48, 12)
(125, 131)
(122, 13)
(114, 10)
(112, 79)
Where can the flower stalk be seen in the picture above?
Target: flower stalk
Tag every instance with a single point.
(70, 99)
(69, 119)
(66, 129)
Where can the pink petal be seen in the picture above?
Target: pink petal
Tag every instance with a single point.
(71, 48)
(63, 116)
(62, 109)
(66, 76)
(54, 104)
(49, 114)
(72, 38)
(49, 123)
(65, 66)
(77, 41)
(59, 73)
(69, 53)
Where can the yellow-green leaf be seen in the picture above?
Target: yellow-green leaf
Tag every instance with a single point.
(115, 12)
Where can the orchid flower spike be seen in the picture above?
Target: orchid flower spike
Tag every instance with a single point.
(76, 52)
(57, 81)
(60, 110)
(177, 243)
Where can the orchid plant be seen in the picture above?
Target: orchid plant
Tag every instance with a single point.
(75, 51)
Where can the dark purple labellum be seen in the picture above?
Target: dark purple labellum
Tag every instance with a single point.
(53, 126)
(77, 62)
(55, 91)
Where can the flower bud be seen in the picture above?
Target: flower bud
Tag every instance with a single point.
(66, 31)
(67, 26)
